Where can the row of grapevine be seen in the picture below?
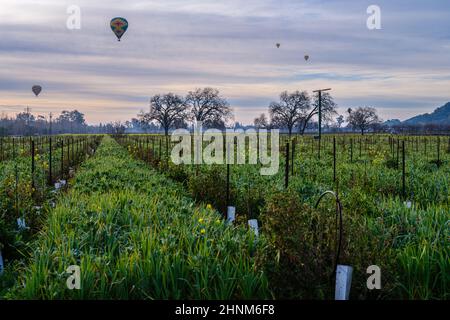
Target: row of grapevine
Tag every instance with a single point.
(32, 171)
(376, 178)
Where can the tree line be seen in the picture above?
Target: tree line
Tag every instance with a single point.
(294, 112)
(27, 124)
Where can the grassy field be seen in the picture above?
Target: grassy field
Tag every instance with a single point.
(27, 189)
(141, 227)
(136, 234)
(403, 228)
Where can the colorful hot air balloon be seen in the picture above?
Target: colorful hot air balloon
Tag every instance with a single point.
(36, 90)
(119, 26)
(306, 57)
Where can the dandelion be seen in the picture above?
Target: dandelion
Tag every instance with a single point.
(200, 220)
(218, 221)
(209, 207)
(203, 231)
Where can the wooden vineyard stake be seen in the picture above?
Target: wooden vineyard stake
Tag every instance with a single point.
(33, 166)
(167, 152)
(334, 159)
(398, 153)
(16, 174)
(293, 156)
(439, 151)
(228, 162)
(160, 148)
(68, 153)
(318, 150)
(153, 147)
(425, 148)
(50, 162)
(73, 158)
(360, 148)
(62, 159)
(403, 170)
(351, 150)
(286, 171)
(147, 151)
(228, 184)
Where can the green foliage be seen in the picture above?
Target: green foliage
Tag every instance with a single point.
(369, 180)
(136, 235)
(302, 249)
(210, 187)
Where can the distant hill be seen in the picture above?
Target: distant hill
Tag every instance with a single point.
(393, 122)
(439, 116)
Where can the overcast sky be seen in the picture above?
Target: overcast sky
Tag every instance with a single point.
(178, 45)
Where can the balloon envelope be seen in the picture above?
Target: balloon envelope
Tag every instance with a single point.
(306, 57)
(36, 90)
(119, 26)
(278, 45)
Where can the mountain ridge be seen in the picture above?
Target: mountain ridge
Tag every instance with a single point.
(440, 116)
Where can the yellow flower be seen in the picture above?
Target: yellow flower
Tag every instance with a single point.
(209, 207)
(203, 231)
(217, 221)
(200, 220)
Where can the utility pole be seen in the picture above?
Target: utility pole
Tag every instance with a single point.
(51, 115)
(28, 112)
(320, 113)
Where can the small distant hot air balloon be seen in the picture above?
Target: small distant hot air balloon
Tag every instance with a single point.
(278, 45)
(306, 57)
(36, 90)
(119, 26)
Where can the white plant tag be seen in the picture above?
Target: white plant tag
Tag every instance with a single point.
(254, 226)
(231, 214)
(21, 223)
(343, 282)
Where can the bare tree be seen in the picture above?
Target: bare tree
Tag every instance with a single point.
(118, 128)
(206, 105)
(167, 110)
(290, 110)
(328, 110)
(340, 121)
(363, 118)
(261, 122)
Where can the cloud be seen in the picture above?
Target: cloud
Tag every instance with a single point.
(178, 45)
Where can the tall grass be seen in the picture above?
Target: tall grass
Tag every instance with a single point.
(136, 235)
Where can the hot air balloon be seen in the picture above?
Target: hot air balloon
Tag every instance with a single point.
(306, 57)
(119, 26)
(278, 45)
(36, 90)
